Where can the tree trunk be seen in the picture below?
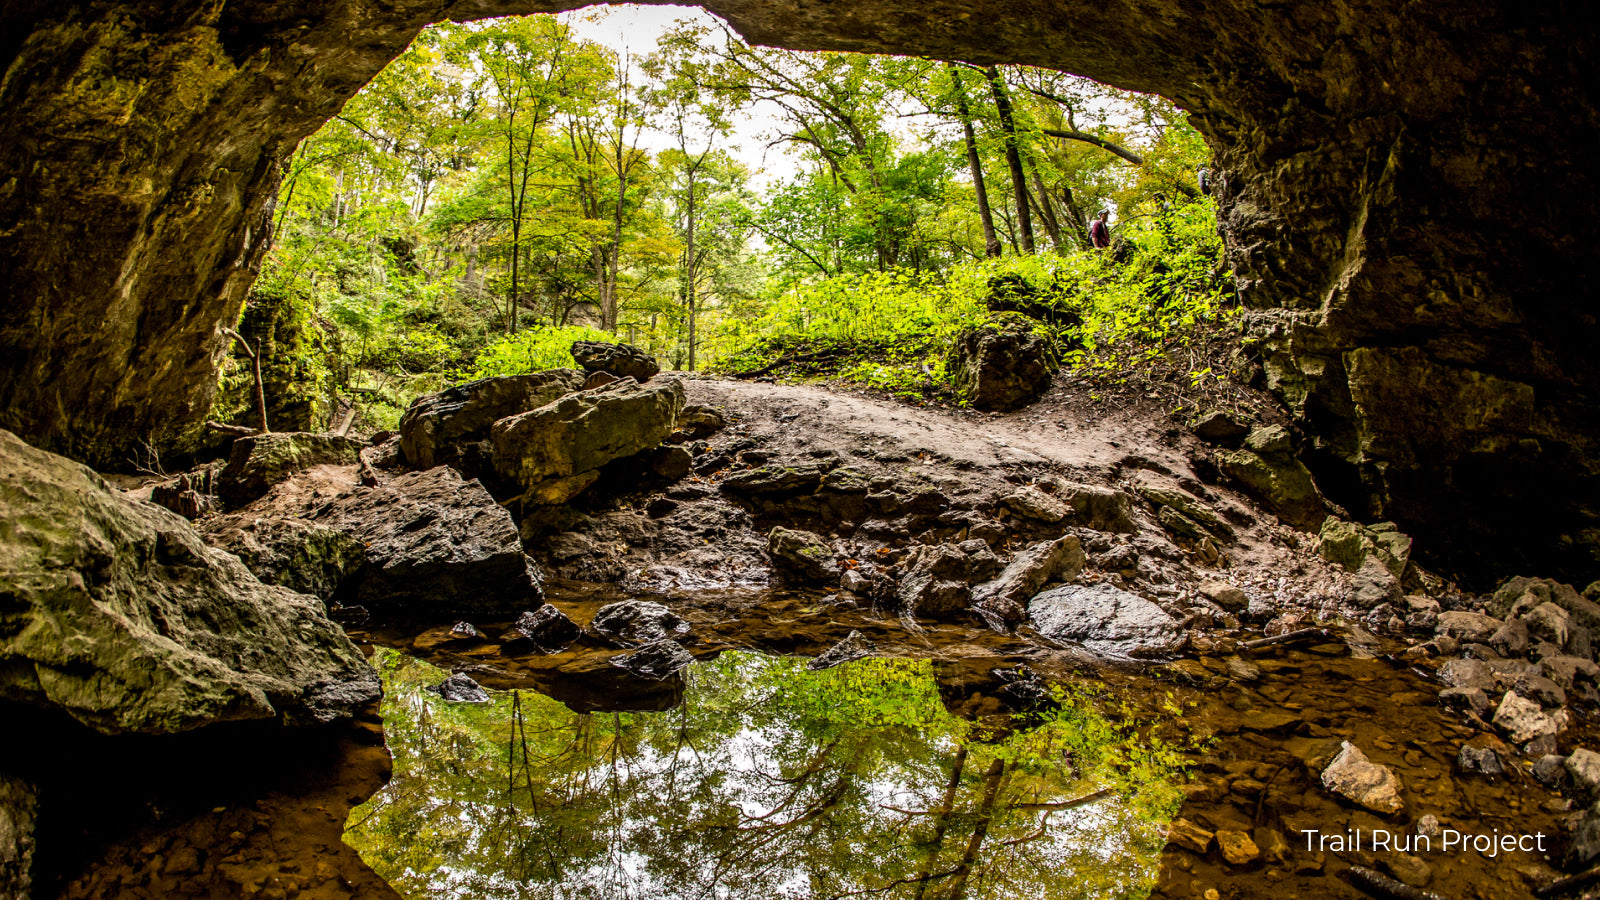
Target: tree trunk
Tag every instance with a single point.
(991, 242)
(1019, 185)
(1047, 215)
(690, 266)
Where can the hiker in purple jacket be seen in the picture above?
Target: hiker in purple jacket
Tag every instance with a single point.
(1099, 234)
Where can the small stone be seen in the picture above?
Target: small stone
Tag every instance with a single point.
(1407, 868)
(1470, 700)
(1225, 595)
(1428, 826)
(549, 628)
(1237, 847)
(459, 688)
(853, 582)
(637, 622)
(1550, 770)
(1353, 776)
(854, 646)
(1583, 767)
(1479, 761)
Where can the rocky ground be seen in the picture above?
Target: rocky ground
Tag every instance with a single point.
(1333, 681)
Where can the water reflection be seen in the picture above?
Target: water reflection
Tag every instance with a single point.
(769, 780)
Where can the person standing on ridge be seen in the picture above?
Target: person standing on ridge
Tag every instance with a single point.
(1099, 234)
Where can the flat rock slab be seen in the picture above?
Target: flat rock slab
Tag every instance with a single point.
(119, 615)
(434, 426)
(1105, 619)
(434, 541)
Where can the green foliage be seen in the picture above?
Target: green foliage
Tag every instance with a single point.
(534, 350)
(899, 324)
(767, 775)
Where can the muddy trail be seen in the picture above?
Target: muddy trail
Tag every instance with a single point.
(1107, 571)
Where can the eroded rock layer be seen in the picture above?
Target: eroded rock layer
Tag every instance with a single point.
(1407, 191)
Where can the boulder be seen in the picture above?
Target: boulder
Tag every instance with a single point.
(1237, 847)
(1032, 568)
(1469, 673)
(1267, 469)
(583, 431)
(1352, 776)
(1030, 503)
(436, 427)
(699, 421)
(1106, 619)
(119, 615)
(1467, 627)
(1217, 427)
(434, 541)
(802, 555)
(655, 661)
(548, 628)
(633, 623)
(1189, 836)
(1100, 508)
(1000, 369)
(259, 461)
(621, 360)
(1352, 545)
(938, 577)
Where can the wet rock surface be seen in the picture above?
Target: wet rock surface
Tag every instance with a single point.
(632, 623)
(1105, 619)
(433, 539)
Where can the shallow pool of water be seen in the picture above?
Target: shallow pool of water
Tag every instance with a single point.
(768, 780)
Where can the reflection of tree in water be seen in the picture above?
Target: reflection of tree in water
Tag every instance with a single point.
(770, 780)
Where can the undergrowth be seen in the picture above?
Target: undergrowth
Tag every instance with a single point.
(1157, 300)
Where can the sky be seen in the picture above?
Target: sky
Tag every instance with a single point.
(633, 30)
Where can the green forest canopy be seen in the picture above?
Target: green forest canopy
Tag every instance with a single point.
(506, 187)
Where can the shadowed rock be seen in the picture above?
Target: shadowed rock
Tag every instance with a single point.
(121, 617)
(655, 661)
(434, 541)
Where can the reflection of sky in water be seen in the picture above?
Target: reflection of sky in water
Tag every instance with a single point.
(768, 781)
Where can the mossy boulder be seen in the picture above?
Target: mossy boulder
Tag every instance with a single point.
(118, 615)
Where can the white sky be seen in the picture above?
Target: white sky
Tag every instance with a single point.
(634, 30)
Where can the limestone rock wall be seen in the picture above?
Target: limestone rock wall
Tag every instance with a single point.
(1408, 196)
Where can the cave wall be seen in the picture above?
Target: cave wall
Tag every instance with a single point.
(1408, 197)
